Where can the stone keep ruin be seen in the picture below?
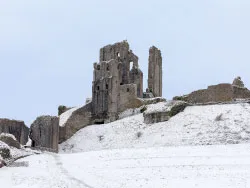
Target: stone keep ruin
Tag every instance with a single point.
(118, 80)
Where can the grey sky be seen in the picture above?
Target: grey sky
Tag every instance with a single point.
(47, 48)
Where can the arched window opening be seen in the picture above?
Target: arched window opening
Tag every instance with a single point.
(118, 54)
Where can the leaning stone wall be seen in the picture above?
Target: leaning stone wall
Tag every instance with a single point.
(44, 132)
(78, 119)
(17, 128)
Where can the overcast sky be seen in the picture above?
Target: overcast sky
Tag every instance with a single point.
(47, 48)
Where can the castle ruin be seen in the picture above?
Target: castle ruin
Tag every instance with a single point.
(118, 80)
(155, 72)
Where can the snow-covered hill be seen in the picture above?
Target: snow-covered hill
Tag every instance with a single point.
(161, 167)
(197, 125)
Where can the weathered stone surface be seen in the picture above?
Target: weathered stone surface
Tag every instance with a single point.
(10, 140)
(2, 163)
(4, 150)
(117, 82)
(217, 93)
(78, 119)
(171, 109)
(155, 71)
(238, 82)
(17, 128)
(156, 117)
(44, 132)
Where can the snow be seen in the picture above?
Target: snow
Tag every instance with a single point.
(8, 135)
(197, 125)
(3, 145)
(66, 115)
(161, 106)
(161, 167)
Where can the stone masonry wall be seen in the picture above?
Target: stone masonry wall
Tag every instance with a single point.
(79, 119)
(44, 132)
(155, 71)
(17, 128)
(217, 93)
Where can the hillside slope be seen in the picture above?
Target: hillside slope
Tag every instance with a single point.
(197, 125)
(161, 167)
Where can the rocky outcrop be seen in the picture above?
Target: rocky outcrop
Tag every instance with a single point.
(217, 93)
(164, 113)
(16, 128)
(44, 133)
(10, 140)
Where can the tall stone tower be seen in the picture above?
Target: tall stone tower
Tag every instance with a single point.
(117, 81)
(155, 71)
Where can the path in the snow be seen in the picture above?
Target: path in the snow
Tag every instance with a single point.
(189, 167)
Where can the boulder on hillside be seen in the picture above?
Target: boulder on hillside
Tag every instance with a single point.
(16, 128)
(44, 133)
(10, 140)
(4, 150)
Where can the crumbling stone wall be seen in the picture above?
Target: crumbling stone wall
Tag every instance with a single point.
(16, 128)
(121, 52)
(78, 119)
(136, 77)
(44, 132)
(155, 71)
(217, 93)
(127, 98)
(118, 67)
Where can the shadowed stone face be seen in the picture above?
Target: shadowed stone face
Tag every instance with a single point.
(155, 71)
(44, 132)
(16, 128)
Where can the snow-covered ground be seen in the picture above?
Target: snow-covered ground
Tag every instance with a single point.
(197, 125)
(202, 147)
(161, 167)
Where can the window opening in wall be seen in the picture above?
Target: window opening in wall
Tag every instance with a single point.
(127, 89)
(108, 67)
(121, 84)
(107, 86)
(131, 64)
(98, 67)
(98, 88)
(118, 54)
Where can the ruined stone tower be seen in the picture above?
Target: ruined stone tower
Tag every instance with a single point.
(117, 81)
(155, 71)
